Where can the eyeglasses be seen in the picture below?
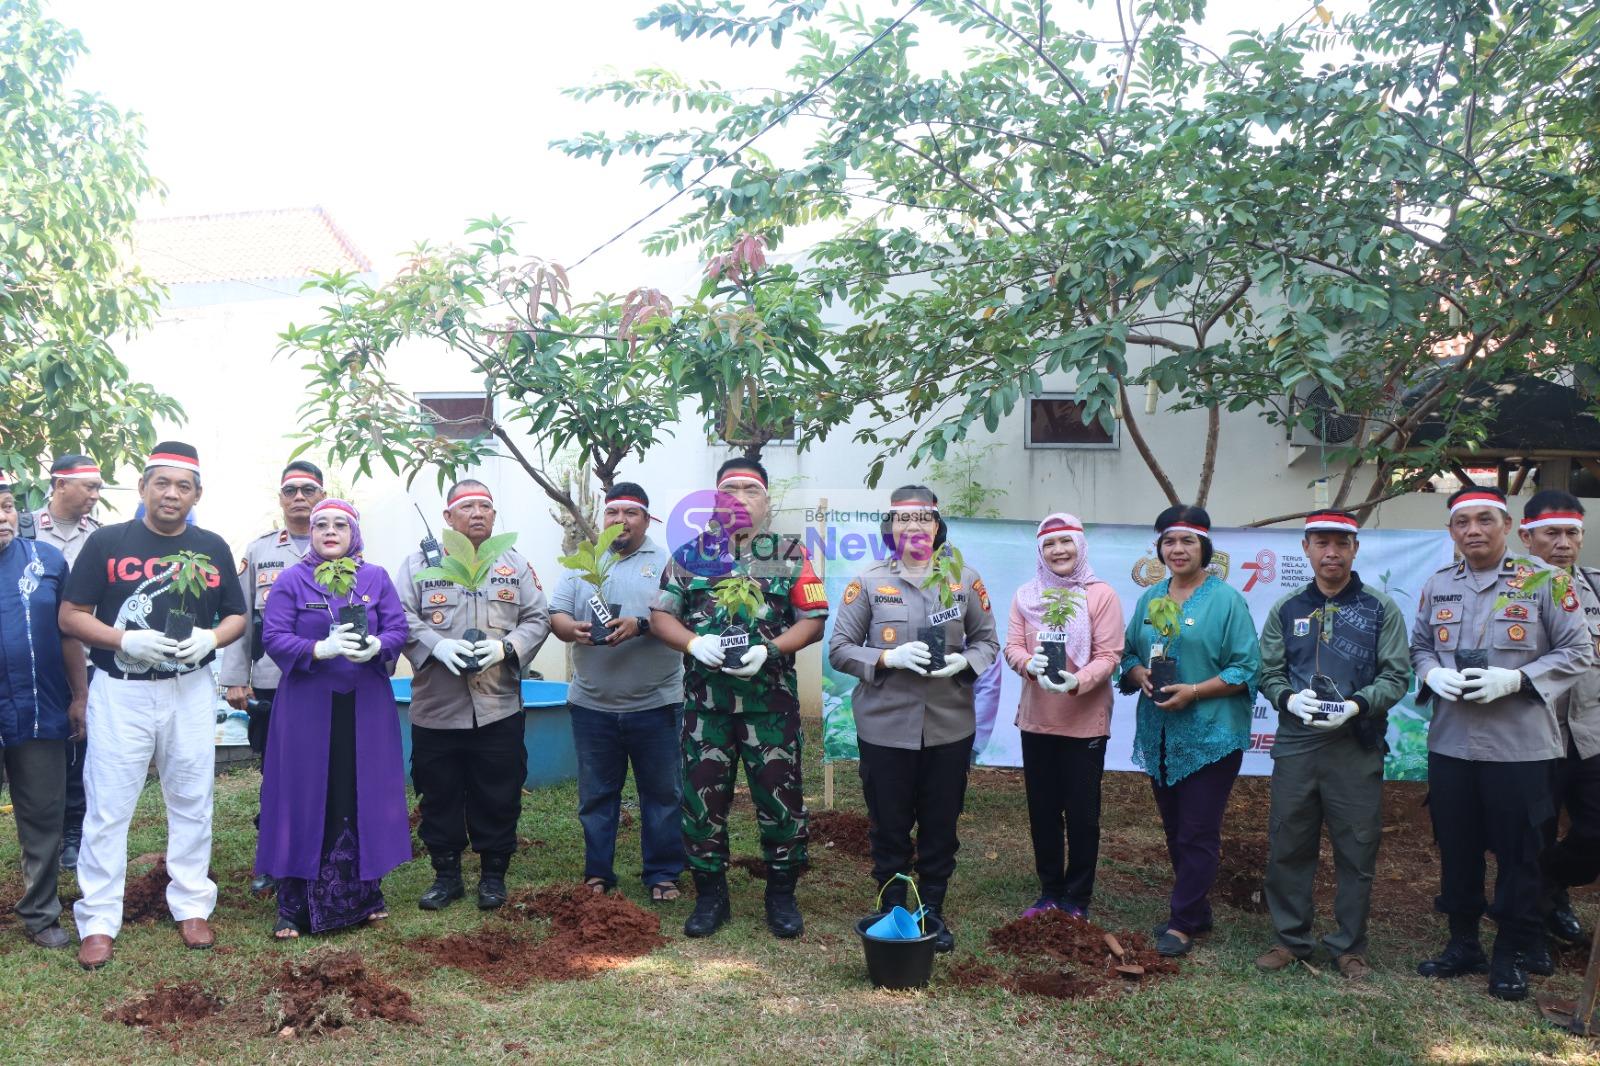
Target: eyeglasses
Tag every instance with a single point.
(308, 491)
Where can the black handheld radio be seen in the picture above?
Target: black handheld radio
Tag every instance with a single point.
(432, 555)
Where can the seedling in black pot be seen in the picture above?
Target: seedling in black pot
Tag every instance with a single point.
(469, 567)
(192, 573)
(739, 600)
(593, 561)
(944, 578)
(1061, 607)
(1163, 615)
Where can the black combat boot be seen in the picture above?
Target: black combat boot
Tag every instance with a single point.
(446, 887)
(1562, 922)
(1508, 974)
(783, 913)
(711, 908)
(933, 900)
(72, 839)
(1462, 955)
(492, 881)
(892, 895)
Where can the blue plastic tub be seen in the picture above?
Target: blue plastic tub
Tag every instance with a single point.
(546, 730)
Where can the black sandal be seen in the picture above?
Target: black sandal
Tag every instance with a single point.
(287, 930)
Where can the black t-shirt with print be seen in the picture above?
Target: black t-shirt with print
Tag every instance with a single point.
(120, 573)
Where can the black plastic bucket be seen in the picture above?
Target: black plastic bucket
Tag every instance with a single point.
(899, 963)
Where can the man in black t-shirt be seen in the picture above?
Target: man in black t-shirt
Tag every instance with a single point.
(153, 695)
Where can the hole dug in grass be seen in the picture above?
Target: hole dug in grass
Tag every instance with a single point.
(1064, 958)
(589, 934)
(319, 993)
(167, 1004)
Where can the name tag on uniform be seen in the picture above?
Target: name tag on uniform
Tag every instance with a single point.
(316, 606)
(949, 614)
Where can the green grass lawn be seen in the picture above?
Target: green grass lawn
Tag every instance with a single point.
(743, 997)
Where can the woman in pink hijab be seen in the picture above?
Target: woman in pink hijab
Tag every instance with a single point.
(1065, 718)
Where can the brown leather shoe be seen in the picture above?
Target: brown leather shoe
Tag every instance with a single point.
(1279, 958)
(95, 951)
(1353, 967)
(196, 933)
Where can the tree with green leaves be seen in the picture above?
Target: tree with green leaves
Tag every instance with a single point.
(71, 178)
(1337, 202)
(575, 377)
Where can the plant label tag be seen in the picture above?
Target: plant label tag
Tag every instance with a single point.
(1157, 650)
(730, 641)
(949, 614)
(1053, 634)
(598, 606)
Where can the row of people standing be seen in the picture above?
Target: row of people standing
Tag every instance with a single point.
(329, 846)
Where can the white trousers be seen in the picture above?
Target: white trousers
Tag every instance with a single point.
(172, 721)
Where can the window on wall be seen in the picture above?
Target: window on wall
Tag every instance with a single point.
(1056, 421)
(458, 415)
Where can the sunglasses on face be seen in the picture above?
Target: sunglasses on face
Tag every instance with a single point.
(291, 491)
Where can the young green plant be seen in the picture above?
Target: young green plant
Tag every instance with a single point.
(740, 598)
(191, 573)
(468, 567)
(1060, 608)
(1164, 613)
(594, 560)
(338, 576)
(944, 577)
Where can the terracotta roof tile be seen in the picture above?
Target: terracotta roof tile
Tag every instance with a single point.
(244, 246)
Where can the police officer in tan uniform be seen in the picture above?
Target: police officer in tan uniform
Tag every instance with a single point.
(249, 675)
(1552, 529)
(468, 760)
(1494, 738)
(914, 723)
(65, 522)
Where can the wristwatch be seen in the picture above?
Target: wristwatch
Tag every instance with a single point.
(644, 625)
(511, 654)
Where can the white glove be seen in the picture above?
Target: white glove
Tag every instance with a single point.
(148, 646)
(201, 642)
(1303, 703)
(1038, 664)
(455, 654)
(339, 641)
(366, 651)
(914, 656)
(1445, 682)
(707, 650)
(1489, 684)
(954, 663)
(489, 652)
(750, 664)
(1338, 714)
(1068, 683)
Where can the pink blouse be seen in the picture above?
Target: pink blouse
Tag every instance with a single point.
(1086, 711)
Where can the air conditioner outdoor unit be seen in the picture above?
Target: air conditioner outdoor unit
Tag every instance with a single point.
(1329, 427)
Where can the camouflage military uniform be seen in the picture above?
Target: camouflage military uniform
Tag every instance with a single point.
(754, 720)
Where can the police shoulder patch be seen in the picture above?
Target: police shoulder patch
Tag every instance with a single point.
(535, 575)
(851, 592)
(983, 593)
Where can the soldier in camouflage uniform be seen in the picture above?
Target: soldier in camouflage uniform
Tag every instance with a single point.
(751, 712)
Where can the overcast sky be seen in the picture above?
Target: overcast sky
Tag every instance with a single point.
(403, 119)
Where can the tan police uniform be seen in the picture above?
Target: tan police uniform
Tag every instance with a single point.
(1575, 860)
(68, 538)
(914, 733)
(1491, 766)
(265, 559)
(468, 759)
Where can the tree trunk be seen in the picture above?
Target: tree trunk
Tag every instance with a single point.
(1145, 453)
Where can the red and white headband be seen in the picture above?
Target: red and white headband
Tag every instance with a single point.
(631, 501)
(182, 462)
(1184, 527)
(1554, 518)
(734, 477)
(1332, 522)
(467, 496)
(1056, 525)
(1478, 499)
(335, 505)
(81, 472)
(913, 507)
(300, 477)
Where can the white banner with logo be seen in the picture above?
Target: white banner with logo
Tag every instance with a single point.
(1263, 564)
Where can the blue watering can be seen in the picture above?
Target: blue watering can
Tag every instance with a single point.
(899, 923)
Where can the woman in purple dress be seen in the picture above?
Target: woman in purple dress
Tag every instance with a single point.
(333, 802)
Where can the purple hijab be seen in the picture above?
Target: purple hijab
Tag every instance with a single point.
(1030, 597)
(346, 508)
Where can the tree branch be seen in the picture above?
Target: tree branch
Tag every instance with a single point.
(1145, 453)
